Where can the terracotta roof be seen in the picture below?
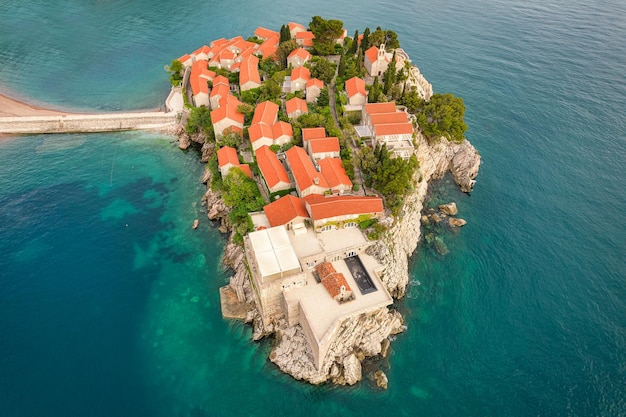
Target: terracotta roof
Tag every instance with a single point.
(219, 43)
(264, 33)
(220, 79)
(266, 112)
(354, 86)
(227, 110)
(226, 55)
(271, 168)
(393, 129)
(296, 26)
(305, 35)
(304, 173)
(294, 104)
(259, 131)
(268, 48)
(374, 108)
(332, 280)
(227, 155)
(300, 73)
(246, 169)
(202, 50)
(388, 118)
(314, 82)
(184, 58)
(300, 53)
(284, 210)
(198, 82)
(333, 170)
(249, 71)
(372, 54)
(309, 133)
(323, 208)
(281, 128)
(304, 39)
(324, 145)
(220, 90)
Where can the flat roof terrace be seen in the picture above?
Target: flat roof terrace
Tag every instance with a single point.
(322, 310)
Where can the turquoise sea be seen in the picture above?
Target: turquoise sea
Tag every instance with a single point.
(108, 298)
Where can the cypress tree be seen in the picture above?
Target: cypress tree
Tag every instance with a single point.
(285, 34)
(365, 43)
(355, 43)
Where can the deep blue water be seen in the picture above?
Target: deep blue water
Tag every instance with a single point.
(108, 299)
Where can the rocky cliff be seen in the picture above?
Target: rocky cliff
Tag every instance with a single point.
(435, 159)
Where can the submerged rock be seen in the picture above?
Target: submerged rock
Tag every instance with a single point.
(381, 379)
(457, 222)
(449, 209)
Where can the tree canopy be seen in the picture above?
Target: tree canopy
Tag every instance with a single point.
(176, 72)
(323, 70)
(392, 177)
(442, 115)
(326, 32)
(388, 37)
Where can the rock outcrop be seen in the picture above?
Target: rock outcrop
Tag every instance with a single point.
(361, 336)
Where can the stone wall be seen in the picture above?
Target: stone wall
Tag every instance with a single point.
(80, 123)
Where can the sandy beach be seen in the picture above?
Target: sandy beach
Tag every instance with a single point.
(10, 107)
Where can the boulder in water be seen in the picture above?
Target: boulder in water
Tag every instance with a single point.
(449, 209)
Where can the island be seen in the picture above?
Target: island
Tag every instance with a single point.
(319, 149)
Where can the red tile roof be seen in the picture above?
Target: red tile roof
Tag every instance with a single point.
(300, 53)
(268, 48)
(220, 79)
(220, 43)
(184, 58)
(271, 168)
(324, 208)
(202, 50)
(264, 33)
(259, 131)
(372, 54)
(266, 112)
(246, 169)
(324, 145)
(304, 173)
(354, 86)
(284, 210)
(282, 128)
(314, 82)
(249, 71)
(220, 90)
(296, 26)
(199, 83)
(227, 110)
(332, 280)
(295, 104)
(309, 133)
(388, 118)
(227, 155)
(335, 173)
(374, 108)
(305, 38)
(393, 129)
(300, 73)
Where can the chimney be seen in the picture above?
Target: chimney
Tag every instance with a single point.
(316, 180)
